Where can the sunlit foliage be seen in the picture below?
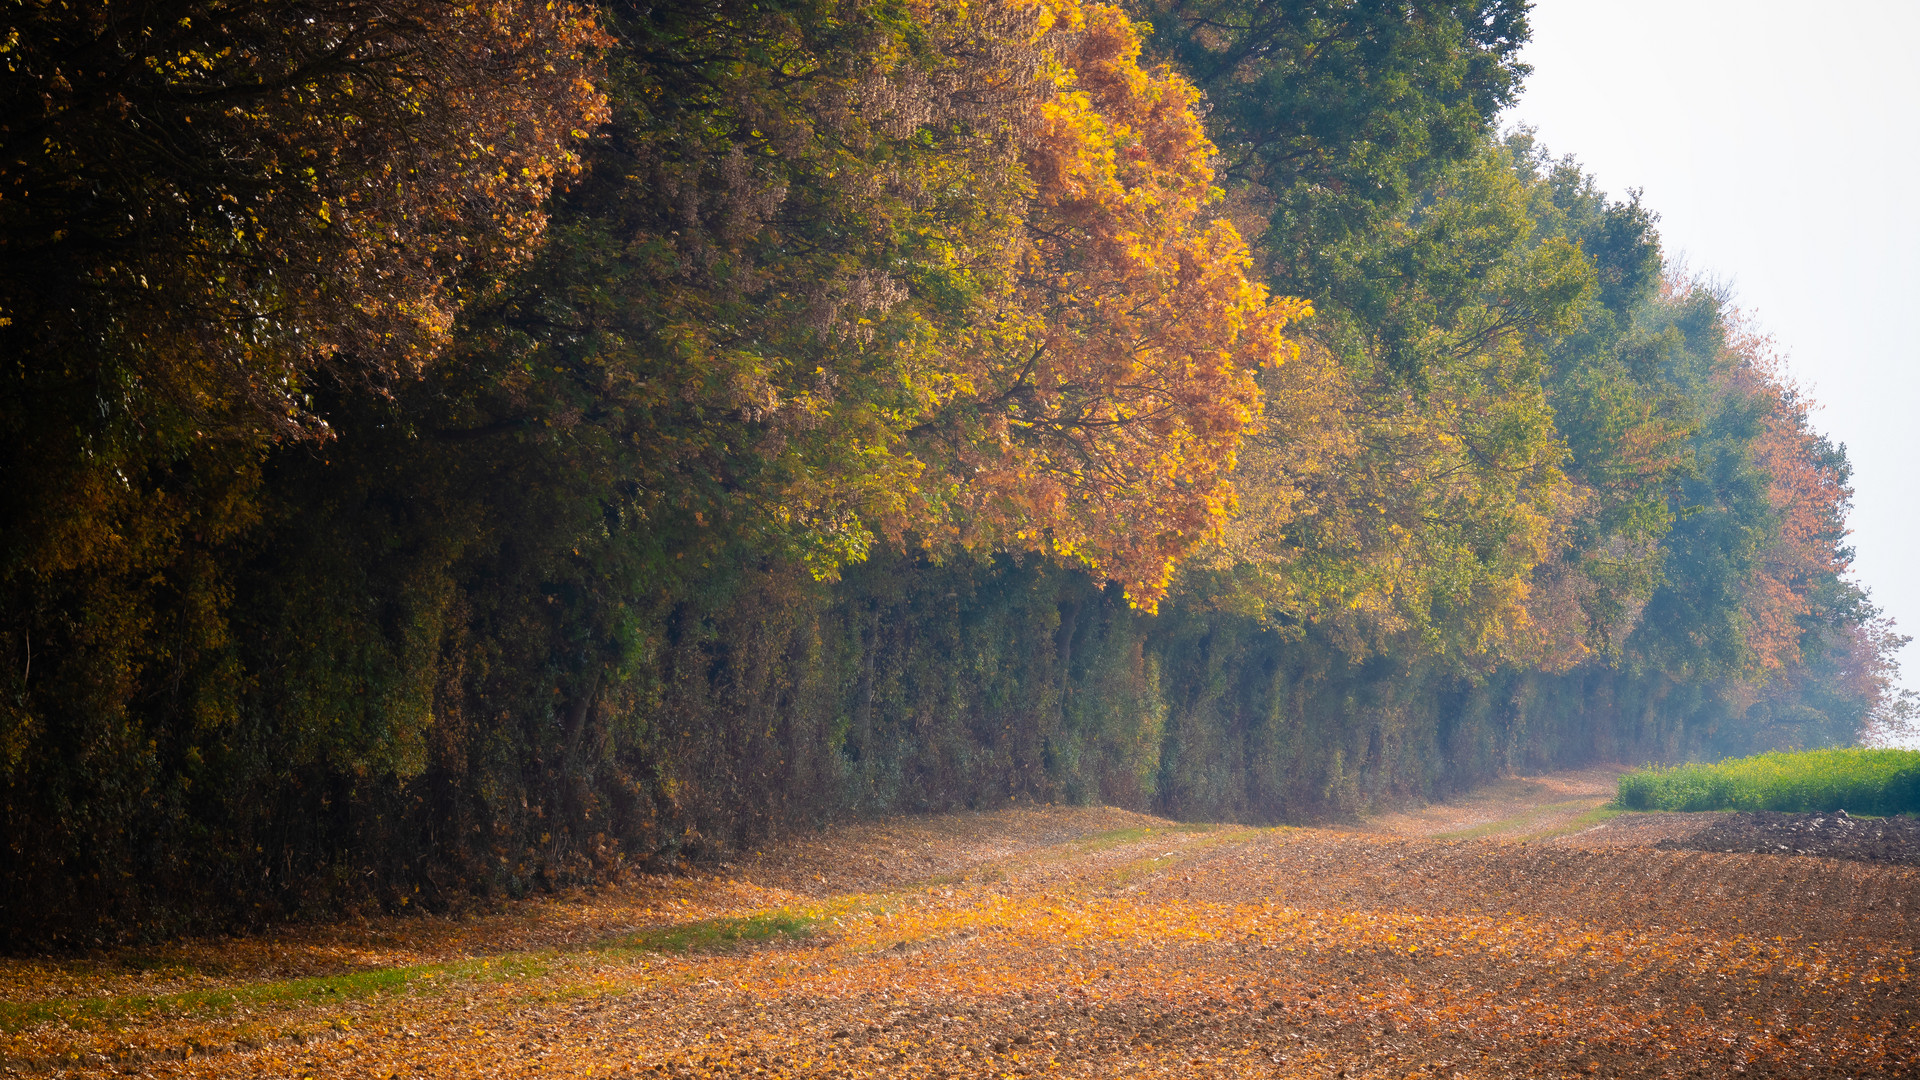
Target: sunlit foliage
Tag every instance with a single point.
(1428, 508)
(957, 282)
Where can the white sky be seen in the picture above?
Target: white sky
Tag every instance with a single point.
(1780, 145)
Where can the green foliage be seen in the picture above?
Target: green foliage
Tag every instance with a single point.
(1858, 780)
(1434, 488)
(1332, 115)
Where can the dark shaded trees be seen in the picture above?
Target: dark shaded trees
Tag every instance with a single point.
(210, 212)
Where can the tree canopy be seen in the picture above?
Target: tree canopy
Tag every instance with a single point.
(456, 448)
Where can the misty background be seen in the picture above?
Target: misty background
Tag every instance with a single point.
(1779, 143)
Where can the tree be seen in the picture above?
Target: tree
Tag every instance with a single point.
(1428, 516)
(211, 213)
(953, 282)
(204, 206)
(1332, 114)
(1110, 374)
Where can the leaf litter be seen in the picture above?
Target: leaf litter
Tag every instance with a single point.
(1051, 941)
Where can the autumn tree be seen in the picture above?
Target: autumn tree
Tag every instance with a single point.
(203, 208)
(207, 209)
(1418, 517)
(460, 449)
(1409, 480)
(1107, 384)
(959, 288)
(830, 274)
(1808, 659)
(1796, 588)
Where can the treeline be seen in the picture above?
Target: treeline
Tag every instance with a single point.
(461, 449)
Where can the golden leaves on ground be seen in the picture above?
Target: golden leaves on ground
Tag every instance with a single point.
(1146, 949)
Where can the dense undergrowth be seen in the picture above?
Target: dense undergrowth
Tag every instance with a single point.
(1855, 779)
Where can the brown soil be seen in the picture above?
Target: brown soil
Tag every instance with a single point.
(1082, 943)
(1637, 830)
(1833, 836)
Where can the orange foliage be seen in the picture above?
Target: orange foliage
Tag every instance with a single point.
(1109, 382)
(968, 290)
(1809, 496)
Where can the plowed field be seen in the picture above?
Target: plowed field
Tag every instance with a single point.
(1069, 942)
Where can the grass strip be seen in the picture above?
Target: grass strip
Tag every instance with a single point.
(1113, 838)
(1208, 840)
(1596, 816)
(708, 935)
(1069, 850)
(1858, 780)
(705, 935)
(284, 993)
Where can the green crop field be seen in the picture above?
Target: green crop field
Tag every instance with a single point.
(1856, 780)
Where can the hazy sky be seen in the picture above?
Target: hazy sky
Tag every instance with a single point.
(1780, 145)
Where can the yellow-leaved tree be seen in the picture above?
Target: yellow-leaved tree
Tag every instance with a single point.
(1106, 375)
(965, 288)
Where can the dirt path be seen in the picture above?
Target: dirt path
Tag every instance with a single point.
(1517, 808)
(1082, 943)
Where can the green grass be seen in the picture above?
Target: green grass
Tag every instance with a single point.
(1855, 780)
(1211, 836)
(1597, 816)
(1114, 838)
(708, 935)
(283, 993)
(1072, 849)
(705, 935)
